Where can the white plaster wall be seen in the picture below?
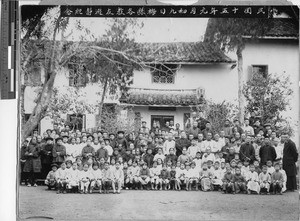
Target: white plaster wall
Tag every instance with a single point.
(218, 80)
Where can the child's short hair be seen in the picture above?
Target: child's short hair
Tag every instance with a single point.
(193, 163)
(251, 165)
(276, 164)
(217, 162)
(264, 167)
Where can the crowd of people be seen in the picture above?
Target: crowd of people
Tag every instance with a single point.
(249, 158)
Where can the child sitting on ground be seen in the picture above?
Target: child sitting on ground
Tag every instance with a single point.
(107, 178)
(284, 177)
(192, 177)
(144, 177)
(173, 183)
(73, 178)
(62, 179)
(264, 180)
(154, 176)
(277, 180)
(164, 179)
(217, 176)
(239, 181)
(51, 177)
(252, 180)
(181, 176)
(96, 178)
(228, 181)
(118, 177)
(205, 178)
(84, 179)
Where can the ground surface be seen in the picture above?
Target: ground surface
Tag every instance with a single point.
(155, 205)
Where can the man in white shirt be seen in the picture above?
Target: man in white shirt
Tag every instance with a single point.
(209, 143)
(169, 143)
(247, 128)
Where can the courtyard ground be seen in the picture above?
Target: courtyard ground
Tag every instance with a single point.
(36, 203)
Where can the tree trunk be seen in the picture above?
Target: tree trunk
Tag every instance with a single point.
(40, 108)
(241, 83)
(102, 102)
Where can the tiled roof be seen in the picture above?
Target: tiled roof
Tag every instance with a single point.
(193, 52)
(163, 97)
(282, 27)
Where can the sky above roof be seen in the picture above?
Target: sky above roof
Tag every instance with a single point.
(154, 29)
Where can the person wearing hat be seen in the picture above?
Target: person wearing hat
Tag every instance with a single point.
(121, 140)
(51, 177)
(32, 166)
(59, 152)
(46, 156)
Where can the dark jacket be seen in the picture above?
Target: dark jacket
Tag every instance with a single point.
(47, 157)
(148, 158)
(180, 143)
(164, 174)
(247, 151)
(101, 152)
(33, 160)
(267, 152)
(59, 158)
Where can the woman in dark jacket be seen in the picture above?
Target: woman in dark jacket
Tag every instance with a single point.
(33, 164)
(290, 157)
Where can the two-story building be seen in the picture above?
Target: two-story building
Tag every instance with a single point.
(178, 76)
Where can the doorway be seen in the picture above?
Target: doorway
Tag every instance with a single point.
(161, 120)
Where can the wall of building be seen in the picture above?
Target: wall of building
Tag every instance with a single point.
(218, 80)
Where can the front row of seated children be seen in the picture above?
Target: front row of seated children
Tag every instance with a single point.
(231, 178)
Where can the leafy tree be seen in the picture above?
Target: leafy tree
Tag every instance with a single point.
(227, 33)
(270, 95)
(217, 113)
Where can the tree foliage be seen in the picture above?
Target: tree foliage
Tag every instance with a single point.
(217, 113)
(116, 117)
(269, 95)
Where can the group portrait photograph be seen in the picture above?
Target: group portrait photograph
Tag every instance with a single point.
(163, 112)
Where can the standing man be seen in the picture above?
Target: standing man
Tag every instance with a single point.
(267, 152)
(247, 128)
(46, 156)
(59, 152)
(290, 157)
(194, 129)
(121, 140)
(181, 143)
(247, 151)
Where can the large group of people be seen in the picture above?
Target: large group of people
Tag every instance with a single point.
(249, 158)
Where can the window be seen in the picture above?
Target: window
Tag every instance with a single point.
(260, 69)
(161, 121)
(164, 74)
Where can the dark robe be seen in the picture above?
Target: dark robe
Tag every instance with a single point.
(86, 150)
(58, 159)
(180, 144)
(101, 153)
(267, 152)
(148, 158)
(247, 151)
(290, 157)
(122, 141)
(46, 158)
(33, 162)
